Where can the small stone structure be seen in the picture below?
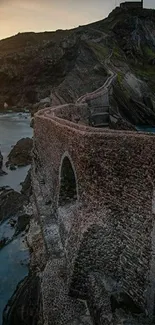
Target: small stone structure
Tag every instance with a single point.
(132, 5)
(95, 199)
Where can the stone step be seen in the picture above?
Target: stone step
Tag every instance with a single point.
(98, 114)
(101, 125)
(100, 119)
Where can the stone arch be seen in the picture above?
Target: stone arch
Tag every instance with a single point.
(68, 190)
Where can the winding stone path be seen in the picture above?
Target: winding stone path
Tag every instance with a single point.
(99, 110)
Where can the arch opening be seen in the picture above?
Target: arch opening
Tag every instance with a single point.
(68, 186)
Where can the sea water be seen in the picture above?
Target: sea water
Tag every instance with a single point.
(13, 127)
(14, 257)
(146, 129)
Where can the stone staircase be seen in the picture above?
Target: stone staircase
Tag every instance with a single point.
(98, 100)
(99, 116)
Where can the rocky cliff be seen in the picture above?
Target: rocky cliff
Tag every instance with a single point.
(1, 162)
(38, 70)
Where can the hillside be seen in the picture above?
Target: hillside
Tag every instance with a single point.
(58, 67)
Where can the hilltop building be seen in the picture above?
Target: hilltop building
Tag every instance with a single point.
(132, 5)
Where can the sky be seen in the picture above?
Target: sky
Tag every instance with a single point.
(40, 15)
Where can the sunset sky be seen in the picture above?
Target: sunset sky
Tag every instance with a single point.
(40, 15)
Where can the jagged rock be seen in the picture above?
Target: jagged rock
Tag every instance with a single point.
(1, 165)
(20, 155)
(118, 123)
(32, 122)
(12, 222)
(3, 242)
(1, 160)
(24, 307)
(26, 185)
(3, 188)
(11, 202)
(122, 300)
(133, 111)
(12, 167)
(2, 172)
(22, 222)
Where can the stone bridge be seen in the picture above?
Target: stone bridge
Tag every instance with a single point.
(94, 196)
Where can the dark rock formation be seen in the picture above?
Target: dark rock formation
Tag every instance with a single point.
(46, 102)
(11, 202)
(133, 111)
(3, 242)
(24, 307)
(1, 165)
(20, 155)
(44, 69)
(32, 122)
(12, 167)
(26, 185)
(121, 124)
(1, 160)
(22, 223)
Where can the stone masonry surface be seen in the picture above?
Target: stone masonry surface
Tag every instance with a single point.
(103, 242)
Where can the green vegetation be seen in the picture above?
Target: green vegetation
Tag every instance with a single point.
(120, 77)
(149, 52)
(116, 53)
(125, 91)
(146, 71)
(100, 51)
